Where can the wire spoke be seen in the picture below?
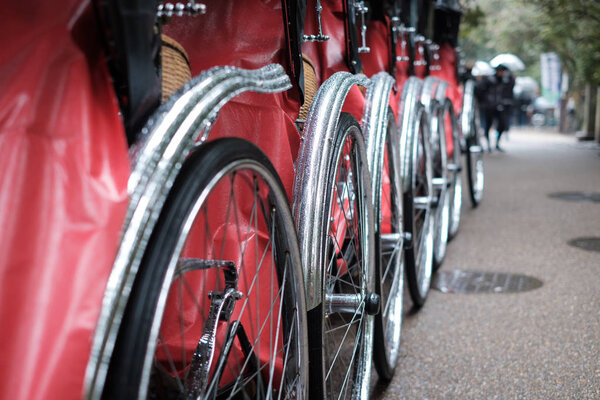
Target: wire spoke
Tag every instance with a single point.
(171, 363)
(354, 316)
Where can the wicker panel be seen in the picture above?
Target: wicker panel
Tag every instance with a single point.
(175, 66)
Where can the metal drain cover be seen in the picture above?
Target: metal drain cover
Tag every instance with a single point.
(458, 281)
(586, 243)
(592, 197)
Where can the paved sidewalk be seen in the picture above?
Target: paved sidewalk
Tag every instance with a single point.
(539, 344)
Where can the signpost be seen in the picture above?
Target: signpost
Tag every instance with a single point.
(551, 77)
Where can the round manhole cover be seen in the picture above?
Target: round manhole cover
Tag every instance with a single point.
(592, 197)
(586, 243)
(458, 281)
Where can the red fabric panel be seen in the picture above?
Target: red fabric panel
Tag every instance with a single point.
(420, 70)
(265, 125)
(235, 36)
(329, 57)
(401, 74)
(378, 40)
(63, 174)
(448, 61)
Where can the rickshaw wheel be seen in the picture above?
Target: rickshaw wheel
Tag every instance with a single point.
(455, 168)
(217, 308)
(418, 217)
(389, 255)
(440, 184)
(475, 170)
(341, 327)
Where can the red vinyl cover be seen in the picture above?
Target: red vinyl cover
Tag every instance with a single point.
(378, 59)
(448, 61)
(233, 37)
(64, 164)
(63, 174)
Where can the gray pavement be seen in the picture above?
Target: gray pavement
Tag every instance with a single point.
(540, 344)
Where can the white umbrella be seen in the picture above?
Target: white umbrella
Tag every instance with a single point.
(481, 68)
(542, 104)
(526, 84)
(510, 61)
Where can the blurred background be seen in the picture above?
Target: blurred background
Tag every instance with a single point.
(558, 42)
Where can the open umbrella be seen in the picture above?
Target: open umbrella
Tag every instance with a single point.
(526, 84)
(542, 104)
(510, 61)
(481, 68)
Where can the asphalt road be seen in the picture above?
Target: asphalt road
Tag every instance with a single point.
(538, 344)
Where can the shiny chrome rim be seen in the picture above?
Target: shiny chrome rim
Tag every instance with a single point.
(440, 177)
(442, 223)
(348, 274)
(456, 203)
(423, 222)
(478, 173)
(456, 187)
(383, 151)
(476, 153)
(225, 276)
(392, 254)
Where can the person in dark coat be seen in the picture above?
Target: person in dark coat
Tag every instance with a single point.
(495, 96)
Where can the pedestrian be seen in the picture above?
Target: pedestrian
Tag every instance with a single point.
(495, 96)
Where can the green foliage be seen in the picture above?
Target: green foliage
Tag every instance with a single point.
(571, 29)
(530, 27)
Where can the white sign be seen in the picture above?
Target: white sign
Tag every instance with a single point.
(551, 77)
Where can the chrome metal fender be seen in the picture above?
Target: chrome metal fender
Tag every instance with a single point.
(445, 102)
(311, 176)
(434, 109)
(172, 132)
(409, 118)
(468, 110)
(428, 94)
(440, 91)
(375, 124)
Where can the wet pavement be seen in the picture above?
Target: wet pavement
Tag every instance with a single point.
(543, 343)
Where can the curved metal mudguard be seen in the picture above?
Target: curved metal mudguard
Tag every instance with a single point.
(440, 91)
(468, 110)
(171, 133)
(311, 174)
(428, 94)
(375, 119)
(408, 120)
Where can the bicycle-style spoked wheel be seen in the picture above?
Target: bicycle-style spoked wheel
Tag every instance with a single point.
(341, 328)
(475, 171)
(474, 150)
(389, 253)
(454, 170)
(418, 217)
(217, 309)
(440, 185)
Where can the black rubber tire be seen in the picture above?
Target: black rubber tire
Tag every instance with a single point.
(200, 170)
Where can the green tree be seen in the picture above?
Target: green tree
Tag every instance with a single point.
(527, 28)
(570, 28)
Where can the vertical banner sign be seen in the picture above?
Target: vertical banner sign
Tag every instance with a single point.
(551, 77)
